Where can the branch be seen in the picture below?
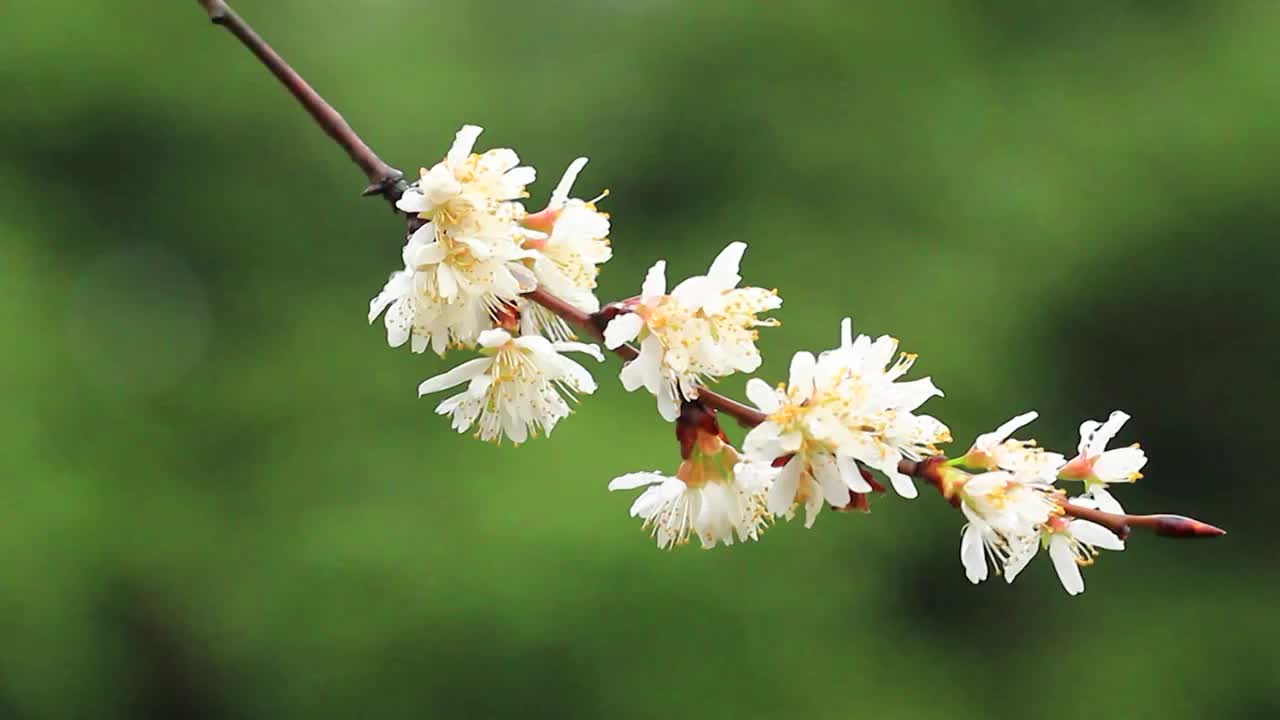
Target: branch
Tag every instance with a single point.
(384, 180)
(388, 182)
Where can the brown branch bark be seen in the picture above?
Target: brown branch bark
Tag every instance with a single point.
(383, 179)
(388, 182)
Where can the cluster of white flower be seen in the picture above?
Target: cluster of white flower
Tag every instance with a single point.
(840, 412)
(483, 274)
(1005, 488)
(475, 256)
(466, 269)
(478, 252)
(705, 329)
(706, 497)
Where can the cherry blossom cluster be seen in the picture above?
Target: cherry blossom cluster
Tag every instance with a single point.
(482, 274)
(466, 269)
(845, 416)
(478, 252)
(1006, 489)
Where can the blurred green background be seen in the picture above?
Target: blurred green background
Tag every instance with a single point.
(222, 499)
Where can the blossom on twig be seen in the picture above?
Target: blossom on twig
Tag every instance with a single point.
(520, 386)
(704, 329)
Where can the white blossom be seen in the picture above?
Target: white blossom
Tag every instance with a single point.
(706, 498)
(568, 241)
(517, 389)
(466, 264)
(415, 311)
(705, 329)
(471, 196)
(837, 410)
(996, 451)
(1005, 513)
(1099, 467)
(1072, 544)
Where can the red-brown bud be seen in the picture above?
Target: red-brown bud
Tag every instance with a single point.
(1177, 526)
(696, 423)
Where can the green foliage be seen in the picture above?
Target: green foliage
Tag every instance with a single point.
(222, 498)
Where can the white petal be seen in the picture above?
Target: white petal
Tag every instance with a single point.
(655, 282)
(1091, 533)
(1021, 554)
(696, 292)
(515, 427)
(668, 406)
(724, 270)
(763, 442)
(812, 506)
(850, 474)
(972, 556)
(463, 143)
(457, 376)
(801, 378)
(446, 282)
(587, 348)
(834, 489)
(763, 396)
(1120, 465)
(1064, 561)
(622, 329)
(911, 395)
(783, 493)
(631, 481)
(1087, 430)
(516, 178)
(640, 371)
(1107, 432)
(561, 194)
(536, 344)
(1105, 501)
(1002, 433)
(412, 202)
(846, 333)
(494, 338)
(901, 483)
(479, 385)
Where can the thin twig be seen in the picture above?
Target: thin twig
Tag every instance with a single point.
(384, 180)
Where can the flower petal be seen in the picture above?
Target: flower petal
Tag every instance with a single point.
(655, 283)
(494, 338)
(1120, 465)
(724, 270)
(1107, 432)
(1064, 561)
(800, 384)
(783, 493)
(972, 556)
(456, 376)
(1105, 501)
(561, 194)
(1091, 533)
(587, 348)
(763, 396)
(631, 481)
(463, 143)
(989, 440)
(834, 489)
(851, 475)
(622, 329)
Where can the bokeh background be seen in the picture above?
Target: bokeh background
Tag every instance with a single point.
(221, 498)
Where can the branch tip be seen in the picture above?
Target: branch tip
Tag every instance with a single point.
(217, 10)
